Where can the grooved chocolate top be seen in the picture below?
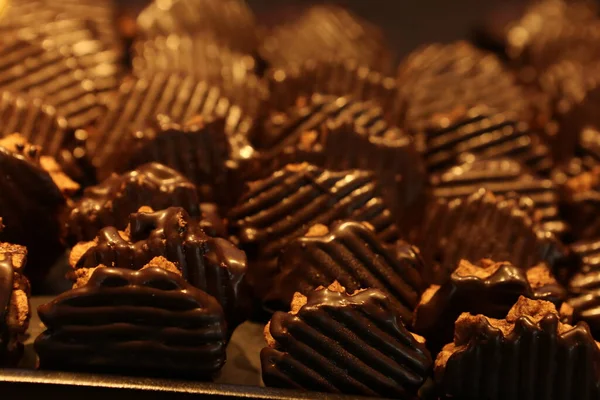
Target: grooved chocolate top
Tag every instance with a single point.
(351, 254)
(148, 321)
(340, 343)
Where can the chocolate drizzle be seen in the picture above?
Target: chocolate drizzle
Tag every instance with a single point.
(281, 208)
(352, 255)
(211, 264)
(134, 322)
(340, 343)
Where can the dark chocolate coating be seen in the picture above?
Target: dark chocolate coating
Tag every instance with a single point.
(533, 361)
(231, 22)
(345, 344)
(110, 203)
(438, 78)
(134, 322)
(325, 33)
(483, 226)
(282, 207)
(214, 265)
(6, 288)
(485, 134)
(502, 176)
(352, 255)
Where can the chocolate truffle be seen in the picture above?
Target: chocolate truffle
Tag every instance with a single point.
(148, 322)
(276, 210)
(489, 288)
(110, 203)
(484, 133)
(339, 343)
(485, 226)
(34, 195)
(351, 254)
(502, 176)
(14, 302)
(214, 265)
(528, 354)
(438, 78)
(580, 199)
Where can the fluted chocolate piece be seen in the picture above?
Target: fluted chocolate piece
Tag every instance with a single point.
(14, 302)
(140, 101)
(323, 33)
(148, 322)
(230, 22)
(110, 203)
(489, 288)
(530, 354)
(49, 72)
(339, 343)
(486, 134)
(33, 196)
(581, 203)
(213, 265)
(351, 254)
(485, 226)
(282, 207)
(502, 176)
(438, 78)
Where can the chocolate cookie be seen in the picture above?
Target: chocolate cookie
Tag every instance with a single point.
(339, 343)
(528, 354)
(14, 302)
(351, 254)
(495, 286)
(214, 265)
(282, 207)
(148, 322)
(110, 203)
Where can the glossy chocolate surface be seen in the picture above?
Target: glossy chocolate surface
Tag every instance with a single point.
(110, 203)
(134, 322)
(351, 254)
(214, 265)
(282, 207)
(340, 343)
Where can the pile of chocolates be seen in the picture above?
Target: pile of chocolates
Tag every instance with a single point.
(426, 230)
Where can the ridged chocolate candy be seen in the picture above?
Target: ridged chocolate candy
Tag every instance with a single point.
(487, 288)
(530, 354)
(485, 133)
(351, 254)
(110, 203)
(214, 265)
(14, 302)
(438, 78)
(484, 226)
(501, 176)
(134, 322)
(340, 343)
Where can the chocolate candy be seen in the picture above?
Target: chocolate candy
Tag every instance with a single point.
(485, 226)
(437, 78)
(214, 265)
(351, 254)
(51, 73)
(530, 354)
(207, 60)
(581, 202)
(141, 101)
(487, 288)
(484, 133)
(34, 191)
(110, 203)
(149, 322)
(282, 207)
(14, 302)
(501, 176)
(339, 343)
(335, 77)
(231, 22)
